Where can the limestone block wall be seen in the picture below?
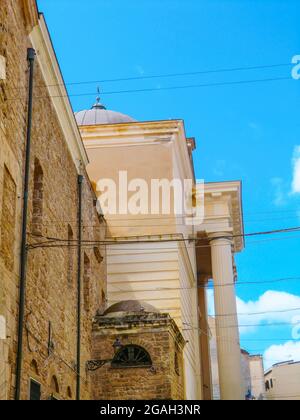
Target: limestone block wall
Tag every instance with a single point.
(51, 291)
(161, 381)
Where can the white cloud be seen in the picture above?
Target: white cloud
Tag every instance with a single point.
(271, 307)
(296, 171)
(282, 352)
(281, 190)
(267, 311)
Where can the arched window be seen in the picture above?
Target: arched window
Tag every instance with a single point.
(86, 282)
(54, 385)
(70, 255)
(267, 385)
(103, 298)
(34, 367)
(98, 255)
(37, 203)
(69, 392)
(176, 363)
(131, 356)
(8, 217)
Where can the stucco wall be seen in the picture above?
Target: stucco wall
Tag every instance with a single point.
(286, 383)
(257, 376)
(246, 376)
(163, 273)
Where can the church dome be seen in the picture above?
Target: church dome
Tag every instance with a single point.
(98, 114)
(129, 306)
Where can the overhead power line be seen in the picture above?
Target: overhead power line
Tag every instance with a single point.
(256, 313)
(169, 217)
(270, 339)
(269, 324)
(50, 244)
(160, 89)
(142, 240)
(164, 221)
(168, 75)
(157, 289)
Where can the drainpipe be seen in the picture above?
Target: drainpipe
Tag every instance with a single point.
(23, 257)
(80, 180)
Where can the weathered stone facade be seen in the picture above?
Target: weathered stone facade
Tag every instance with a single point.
(159, 336)
(51, 290)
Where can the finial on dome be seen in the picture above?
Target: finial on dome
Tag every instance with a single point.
(98, 104)
(98, 97)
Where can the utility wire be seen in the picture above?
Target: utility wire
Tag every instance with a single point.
(270, 324)
(160, 289)
(167, 75)
(54, 354)
(271, 339)
(161, 217)
(160, 89)
(182, 244)
(172, 217)
(255, 313)
(214, 286)
(150, 219)
(114, 241)
(90, 246)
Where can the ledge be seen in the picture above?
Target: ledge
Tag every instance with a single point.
(49, 66)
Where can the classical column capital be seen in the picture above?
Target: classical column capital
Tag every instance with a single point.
(203, 278)
(225, 238)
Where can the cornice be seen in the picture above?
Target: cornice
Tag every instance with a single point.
(30, 13)
(230, 191)
(49, 67)
(167, 132)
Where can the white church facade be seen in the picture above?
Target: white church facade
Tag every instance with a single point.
(160, 258)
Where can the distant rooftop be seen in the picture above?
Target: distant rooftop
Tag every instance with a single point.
(285, 363)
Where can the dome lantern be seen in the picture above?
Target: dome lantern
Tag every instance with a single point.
(99, 115)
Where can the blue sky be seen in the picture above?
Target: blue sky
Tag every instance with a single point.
(246, 131)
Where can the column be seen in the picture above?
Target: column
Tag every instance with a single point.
(228, 343)
(204, 341)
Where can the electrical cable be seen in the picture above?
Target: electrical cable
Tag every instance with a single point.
(167, 75)
(193, 86)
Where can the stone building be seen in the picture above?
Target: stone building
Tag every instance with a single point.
(282, 381)
(257, 376)
(58, 159)
(246, 374)
(144, 350)
(153, 340)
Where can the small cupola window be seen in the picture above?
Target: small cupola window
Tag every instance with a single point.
(131, 356)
